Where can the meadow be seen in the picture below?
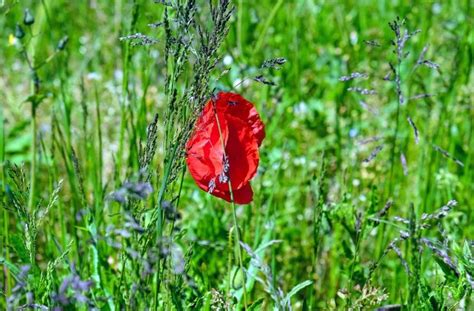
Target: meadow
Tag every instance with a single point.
(363, 194)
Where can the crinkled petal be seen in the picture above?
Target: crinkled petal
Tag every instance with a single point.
(242, 132)
(242, 152)
(205, 152)
(238, 107)
(243, 195)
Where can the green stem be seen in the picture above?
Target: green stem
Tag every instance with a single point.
(239, 27)
(5, 212)
(234, 216)
(31, 201)
(266, 26)
(99, 168)
(239, 247)
(397, 125)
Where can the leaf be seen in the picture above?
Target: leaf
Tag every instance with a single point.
(18, 144)
(347, 249)
(14, 269)
(251, 271)
(35, 99)
(265, 245)
(466, 250)
(95, 265)
(256, 304)
(447, 270)
(296, 289)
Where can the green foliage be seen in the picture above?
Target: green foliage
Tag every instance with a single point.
(363, 196)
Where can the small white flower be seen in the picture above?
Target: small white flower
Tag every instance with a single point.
(228, 60)
(354, 38)
(301, 109)
(353, 132)
(436, 8)
(118, 74)
(93, 76)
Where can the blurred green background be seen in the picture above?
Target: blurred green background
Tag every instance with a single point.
(313, 187)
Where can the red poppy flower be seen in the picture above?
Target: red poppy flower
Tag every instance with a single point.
(224, 147)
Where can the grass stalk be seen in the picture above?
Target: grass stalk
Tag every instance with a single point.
(6, 219)
(239, 27)
(397, 122)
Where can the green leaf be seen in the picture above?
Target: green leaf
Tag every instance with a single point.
(347, 249)
(263, 246)
(35, 99)
(18, 144)
(9, 265)
(256, 304)
(448, 271)
(466, 250)
(94, 255)
(296, 289)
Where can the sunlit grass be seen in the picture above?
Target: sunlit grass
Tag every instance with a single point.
(361, 199)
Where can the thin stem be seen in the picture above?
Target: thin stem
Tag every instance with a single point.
(35, 91)
(398, 85)
(229, 261)
(126, 61)
(99, 168)
(239, 27)
(234, 216)
(266, 26)
(237, 237)
(394, 146)
(5, 212)
(31, 200)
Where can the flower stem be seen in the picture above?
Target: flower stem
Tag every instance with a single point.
(234, 216)
(237, 237)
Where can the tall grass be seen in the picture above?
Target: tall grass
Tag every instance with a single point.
(362, 199)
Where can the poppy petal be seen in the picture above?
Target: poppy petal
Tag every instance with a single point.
(243, 195)
(242, 151)
(240, 108)
(212, 160)
(205, 152)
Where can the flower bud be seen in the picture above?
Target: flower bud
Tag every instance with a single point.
(62, 43)
(28, 18)
(19, 33)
